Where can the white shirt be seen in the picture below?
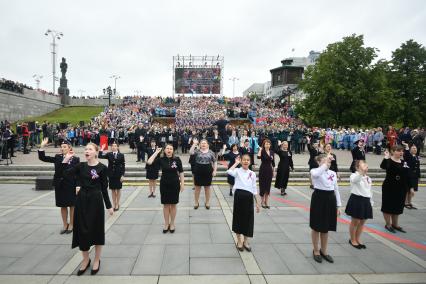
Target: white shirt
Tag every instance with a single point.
(361, 185)
(325, 179)
(244, 179)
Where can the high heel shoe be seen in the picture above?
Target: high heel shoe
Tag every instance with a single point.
(94, 271)
(207, 206)
(196, 206)
(166, 230)
(64, 230)
(81, 272)
(172, 231)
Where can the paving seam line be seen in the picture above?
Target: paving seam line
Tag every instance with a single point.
(249, 261)
(75, 260)
(25, 203)
(411, 256)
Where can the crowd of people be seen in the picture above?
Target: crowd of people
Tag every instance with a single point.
(13, 86)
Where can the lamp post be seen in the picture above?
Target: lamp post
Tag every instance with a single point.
(37, 78)
(56, 35)
(115, 77)
(138, 92)
(233, 79)
(81, 92)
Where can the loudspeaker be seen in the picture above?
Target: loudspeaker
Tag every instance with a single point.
(44, 183)
(31, 126)
(81, 123)
(63, 125)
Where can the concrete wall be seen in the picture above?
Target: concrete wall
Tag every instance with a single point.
(15, 106)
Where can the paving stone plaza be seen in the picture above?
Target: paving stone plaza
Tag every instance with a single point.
(202, 250)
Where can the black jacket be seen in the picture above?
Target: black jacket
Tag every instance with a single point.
(116, 165)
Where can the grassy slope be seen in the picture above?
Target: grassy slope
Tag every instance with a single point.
(72, 115)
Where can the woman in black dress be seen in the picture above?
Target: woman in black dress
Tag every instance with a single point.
(152, 170)
(89, 214)
(172, 183)
(395, 187)
(216, 143)
(230, 156)
(413, 161)
(314, 151)
(266, 171)
(284, 167)
(205, 170)
(333, 165)
(358, 153)
(64, 183)
(116, 170)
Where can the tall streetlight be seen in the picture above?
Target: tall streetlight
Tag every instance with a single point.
(81, 92)
(37, 78)
(56, 35)
(115, 77)
(138, 92)
(233, 79)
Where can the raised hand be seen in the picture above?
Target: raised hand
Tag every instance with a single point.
(44, 142)
(238, 160)
(103, 147)
(387, 154)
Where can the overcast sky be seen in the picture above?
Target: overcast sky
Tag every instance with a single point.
(137, 39)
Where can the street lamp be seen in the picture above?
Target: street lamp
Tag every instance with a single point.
(115, 77)
(56, 35)
(138, 93)
(37, 78)
(81, 92)
(233, 79)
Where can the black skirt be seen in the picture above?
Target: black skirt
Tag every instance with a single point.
(243, 213)
(323, 213)
(203, 174)
(359, 207)
(151, 174)
(64, 194)
(115, 183)
(169, 189)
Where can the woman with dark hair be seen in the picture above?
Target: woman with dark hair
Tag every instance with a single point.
(172, 183)
(64, 182)
(116, 170)
(152, 170)
(89, 214)
(395, 187)
(266, 171)
(325, 203)
(284, 166)
(413, 161)
(333, 165)
(232, 154)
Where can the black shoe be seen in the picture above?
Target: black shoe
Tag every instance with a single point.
(355, 246)
(327, 257)
(363, 246)
(399, 229)
(153, 196)
(390, 229)
(230, 193)
(311, 186)
(207, 206)
(64, 230)
(248, 248)
(166, 230)
(196, 206)
(267, 207)
(172, 231)
(93, 271)
(68, 231)
(317, 258)
(240, 248)
(81, 272)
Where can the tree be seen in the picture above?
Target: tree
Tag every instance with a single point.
(344, 87)
(407, 76)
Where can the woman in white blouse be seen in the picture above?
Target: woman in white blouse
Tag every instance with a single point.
(243, 211)
(360, 203)
(325, 203)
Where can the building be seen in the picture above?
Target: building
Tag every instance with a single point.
(256, 88)
(285, 78)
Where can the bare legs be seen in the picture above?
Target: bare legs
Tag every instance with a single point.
(197, 195)
(64, 215)
(116, 194)
(316, 238)
(355, 230)
(152, 185)
(169, 213)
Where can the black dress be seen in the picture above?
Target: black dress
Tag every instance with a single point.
(63, 181)
(283, 170)
(169, 182)
(357, 154)
(313, 153)
(266, 171)
(151, 170)
(116, 168)
(89, 214)
(395, 186)
(231, 158)
(414, 163)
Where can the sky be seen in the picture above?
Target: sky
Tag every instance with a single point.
(137, 39)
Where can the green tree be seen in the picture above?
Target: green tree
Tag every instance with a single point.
(344, 87)
(407, 76)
